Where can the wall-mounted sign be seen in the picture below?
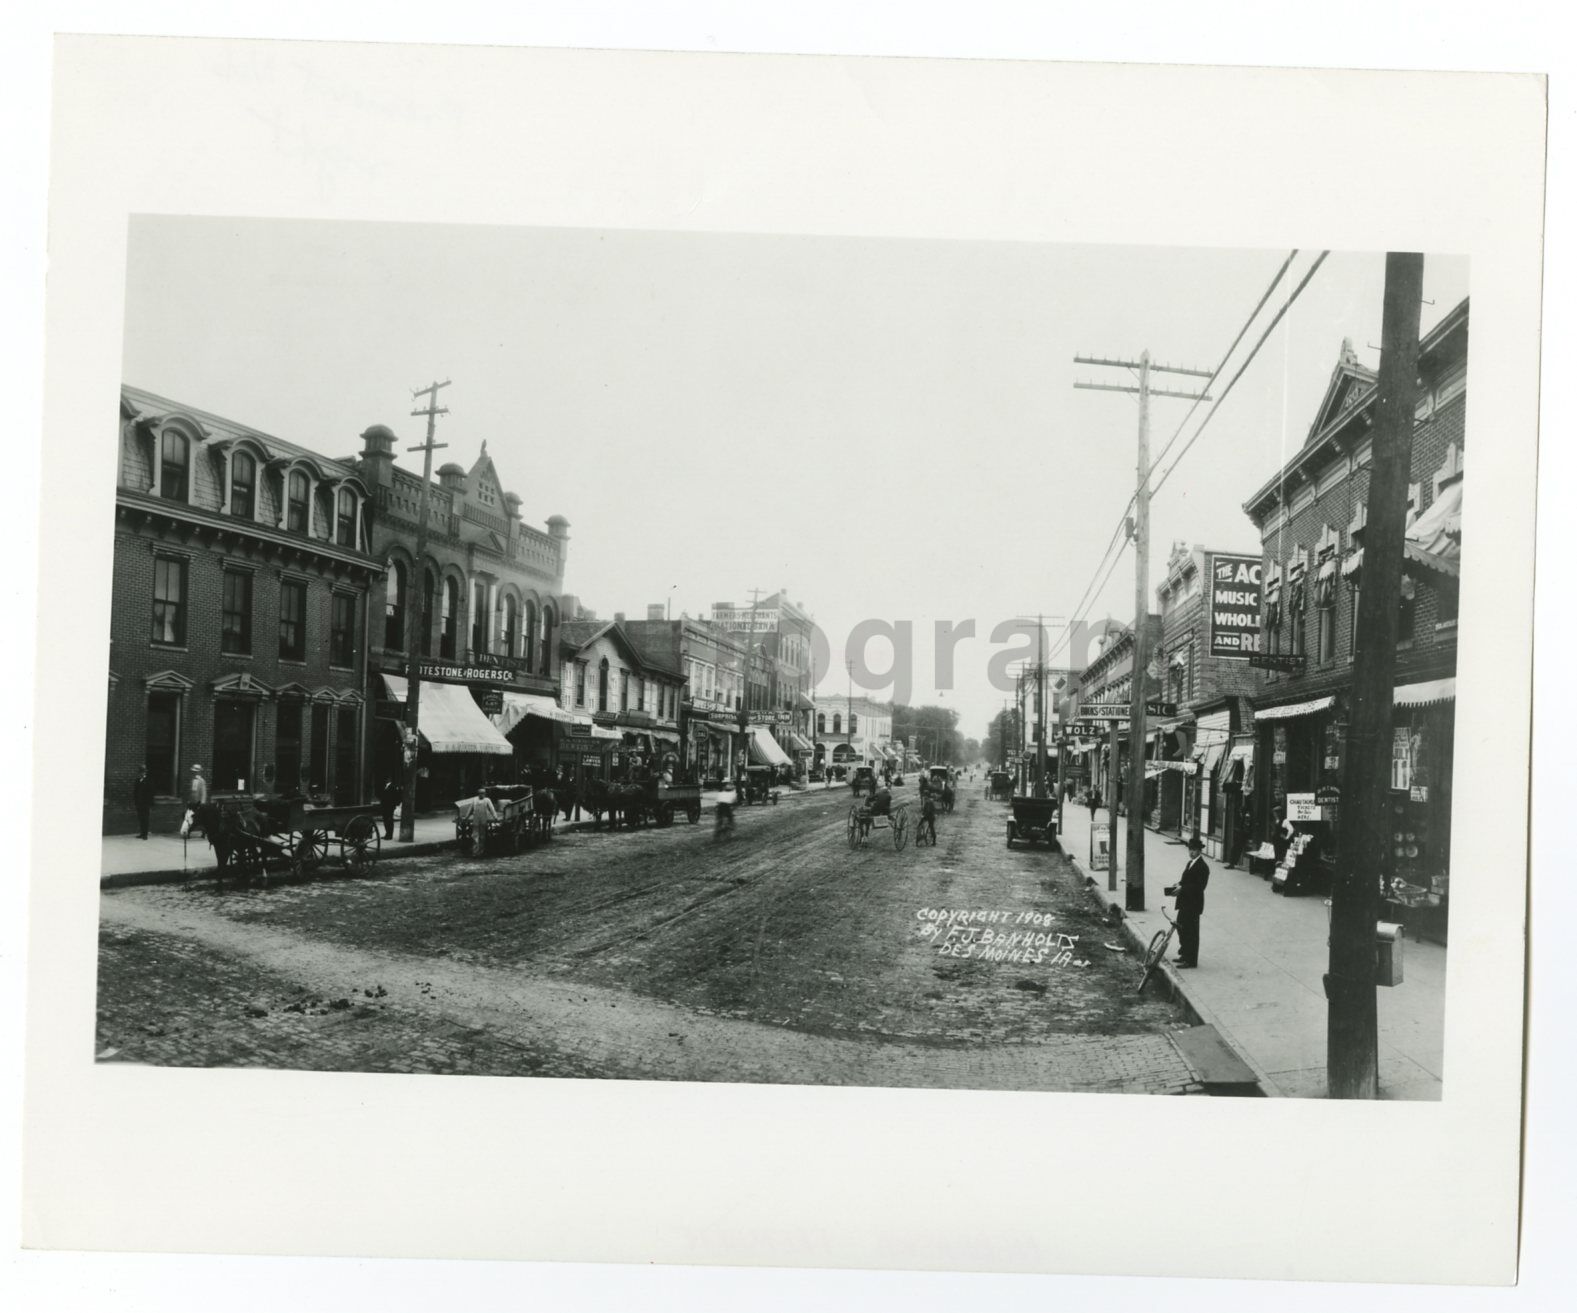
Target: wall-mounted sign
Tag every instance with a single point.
(1104, 711)
(1303, 807)
(1286, 662)
(1161, 708)
(770, 717)
(1419, 793)
(492, 703)
(1327, 797)
(747, 620)
(1234, 605)
(1278, 758)
(457, 672)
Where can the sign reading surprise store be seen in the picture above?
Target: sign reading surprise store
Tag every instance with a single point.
(1234, 605)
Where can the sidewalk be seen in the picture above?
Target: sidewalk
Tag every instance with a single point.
(1261, 960)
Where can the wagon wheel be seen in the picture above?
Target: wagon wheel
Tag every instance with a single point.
(360, 843)
(312, 848)
(900, 826)
(854, 827)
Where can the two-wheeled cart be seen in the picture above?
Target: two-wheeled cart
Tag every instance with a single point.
(499, 820)
(863, 821)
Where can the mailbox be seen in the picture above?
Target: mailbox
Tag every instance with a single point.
(1387, 953)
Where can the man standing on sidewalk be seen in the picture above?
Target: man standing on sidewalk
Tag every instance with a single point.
(1190, 894)
(142, 799)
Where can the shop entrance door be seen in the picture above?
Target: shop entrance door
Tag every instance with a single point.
(233, 744)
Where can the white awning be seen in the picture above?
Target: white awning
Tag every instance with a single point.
(450, 720)
(1293, 710)
(1213, 755)
(665, 736)
(517, 706)
(764, 748)
(1426, 694)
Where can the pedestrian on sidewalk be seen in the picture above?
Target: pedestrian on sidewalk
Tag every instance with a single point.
(388, 799)
(1189, 892)
(142, 799)
(1095, 802)
(196, 800)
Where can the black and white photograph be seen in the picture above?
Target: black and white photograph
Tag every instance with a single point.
(430, 746)
(725, 660)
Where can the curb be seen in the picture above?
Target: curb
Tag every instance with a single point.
(1196, 1011)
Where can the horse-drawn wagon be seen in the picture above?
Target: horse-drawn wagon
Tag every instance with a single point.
(251, 834)
(864, 819)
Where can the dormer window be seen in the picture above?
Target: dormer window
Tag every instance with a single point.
(298, 499)
(345, 520)
(173, 460)
(243, 485)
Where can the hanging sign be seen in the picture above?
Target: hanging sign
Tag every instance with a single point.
(1286, 662)
(1234, 605)
(1303, 807)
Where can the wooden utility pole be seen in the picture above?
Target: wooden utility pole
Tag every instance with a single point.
(1140, 532)
(1111, 809)
(413, 642)
(1352, 1043)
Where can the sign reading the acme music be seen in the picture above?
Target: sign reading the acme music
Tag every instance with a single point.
(1234, 605)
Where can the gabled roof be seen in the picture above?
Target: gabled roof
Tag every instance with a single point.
(1348, 383)
(483, 468)
(577, 635)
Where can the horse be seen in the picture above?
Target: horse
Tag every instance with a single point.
(233, 835)
(598, 798)
(947, 797)
(544, 805)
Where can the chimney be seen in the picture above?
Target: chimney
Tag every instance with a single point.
(377, 456)
(558, 530)
(656, 611)
(512, 505)
(618, 617)
(451, 477)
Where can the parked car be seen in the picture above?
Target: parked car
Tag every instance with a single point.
(863, 780)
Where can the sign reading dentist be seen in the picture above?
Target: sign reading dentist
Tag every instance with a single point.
(1234, 605)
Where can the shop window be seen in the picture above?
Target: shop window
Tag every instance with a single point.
(345, 520)
(292, 621)
(174, 460)
(233, 744)
(1326, 637)
(507, 635)
(287, 745)
(318, 767)
(393, 606)
(602, 685)
(1447, 600)
(162, 753)
(169, 601)
(235, 620)
(479, 618)
(298, 505)
(342, 631)
(449, 634)
(243, 485)
(345, 756)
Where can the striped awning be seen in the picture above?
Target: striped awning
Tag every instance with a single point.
(1292, 710)
(449, 719)
(1426, 694)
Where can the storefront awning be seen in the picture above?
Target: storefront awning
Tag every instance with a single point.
(1212, 758)
(764, 748)
(517, 706)
(449, 719)
(803, 703)
(798, 743)
(1435, 539)
(1426, 694)
(1293, 710)
(666, 736)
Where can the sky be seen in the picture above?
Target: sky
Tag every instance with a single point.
(888, 429)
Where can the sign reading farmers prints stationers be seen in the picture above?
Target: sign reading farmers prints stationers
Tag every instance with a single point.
(1234, 605)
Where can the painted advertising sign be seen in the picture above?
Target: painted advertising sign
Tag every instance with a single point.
(1234, 605)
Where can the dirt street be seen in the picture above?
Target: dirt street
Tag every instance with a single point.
(778, 955)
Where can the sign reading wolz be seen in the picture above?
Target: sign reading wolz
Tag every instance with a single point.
(1234, 605)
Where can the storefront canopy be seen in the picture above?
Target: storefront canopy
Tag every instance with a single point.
(799, 744)
(1212, 759)
(1426, 694)
(1435, 538)
(1293, 710)
(449, 719)
(517, 706)
(765, 750)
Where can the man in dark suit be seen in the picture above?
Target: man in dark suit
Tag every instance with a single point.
(142, 799)
(1190, 894)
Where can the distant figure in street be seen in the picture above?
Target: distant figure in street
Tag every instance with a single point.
(388, 800)
(1190, 894)
(142, 799)
(1095, 802)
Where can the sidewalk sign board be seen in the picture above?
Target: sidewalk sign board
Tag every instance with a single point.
(1302, 807)
(1100, 847)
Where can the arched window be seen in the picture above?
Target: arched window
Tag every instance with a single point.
(602, 685)
(546, 666)
(243, 485)
(821, 722)
(449, 632)
(393, 605)
(424, 641)
(298, 504)
(837, 722)
(479, 618)
(854, 723)
(530, 634)
(345, 520)
(507, 634)
(173, 451)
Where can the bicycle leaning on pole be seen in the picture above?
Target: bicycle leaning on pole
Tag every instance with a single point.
(1159, 943)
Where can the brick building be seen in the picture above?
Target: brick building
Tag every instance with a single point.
(1213, 696)
(631, 697)
(492, 597)
(712, 661)
(1310, 516)
(240, 612)
(780, 689)
(1108, 678)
